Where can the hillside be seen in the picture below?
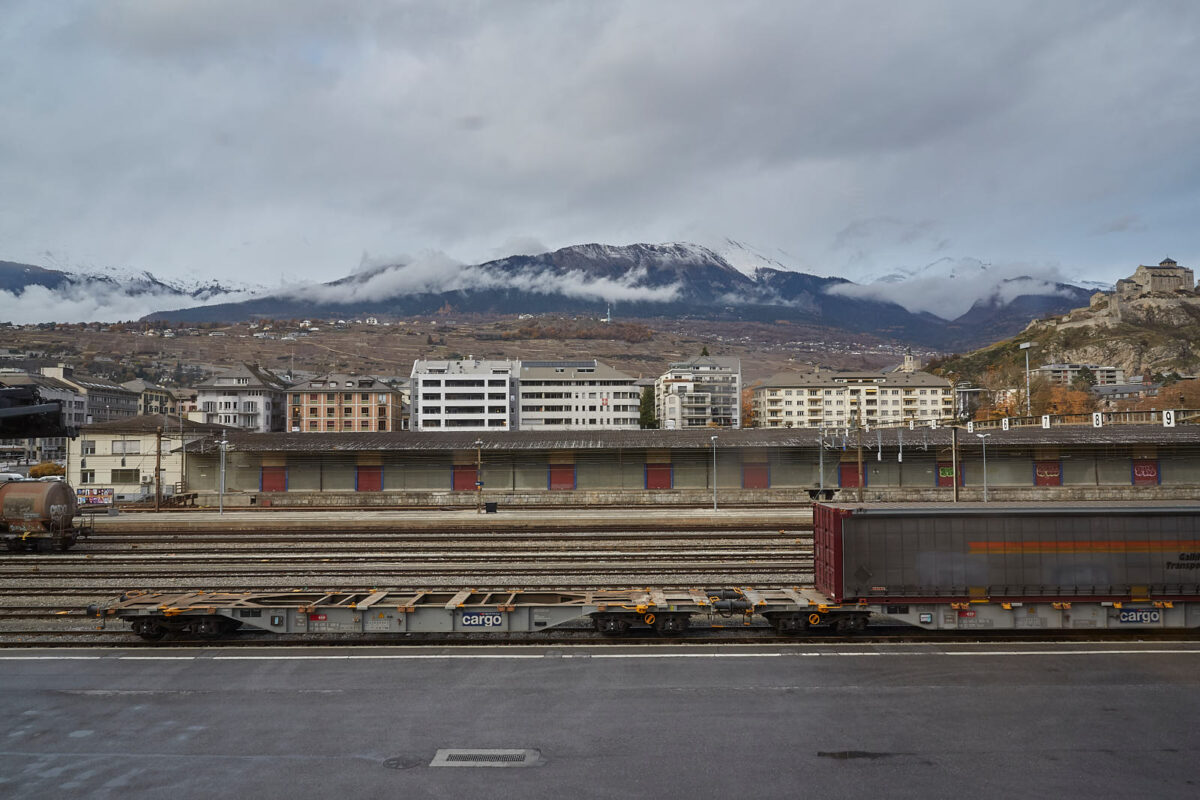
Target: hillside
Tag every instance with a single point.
(1142, 332)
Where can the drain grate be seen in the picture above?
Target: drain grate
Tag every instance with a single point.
(459, 757)
(489, 757)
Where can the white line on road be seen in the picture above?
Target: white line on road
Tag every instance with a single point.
(584, 656)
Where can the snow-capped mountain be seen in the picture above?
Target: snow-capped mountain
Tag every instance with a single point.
(644, 280)
(30, 293)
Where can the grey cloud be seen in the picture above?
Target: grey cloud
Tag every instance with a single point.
(1122, 224)
(274, 137)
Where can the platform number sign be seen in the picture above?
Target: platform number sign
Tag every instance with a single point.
(1168, 418)
(1004, 424)
(1045, 420)
(970, 427)
(1097, 419)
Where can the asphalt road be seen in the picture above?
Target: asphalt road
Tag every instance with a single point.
(839, 720)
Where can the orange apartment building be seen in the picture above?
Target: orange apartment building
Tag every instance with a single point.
(340, 403)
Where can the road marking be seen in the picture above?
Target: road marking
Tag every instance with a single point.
(583, 656)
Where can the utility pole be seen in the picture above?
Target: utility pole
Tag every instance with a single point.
(861, 476)
(821, 461)
(478, 476)
(714, 477)
(221, 493)
(158, 468)
(954, 461)
(183, 450)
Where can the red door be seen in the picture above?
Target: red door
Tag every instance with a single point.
(848, 475)
(755, 476)
(658, 476)
(273, 479)
(1145, 472)
(1047, 473)
(464, 477)
(945, 473)
(562, 476)
(370, 479)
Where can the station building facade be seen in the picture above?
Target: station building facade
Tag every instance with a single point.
(746, 466)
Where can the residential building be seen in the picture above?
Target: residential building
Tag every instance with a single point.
(185, 400)
(1065, 374)
(464, 395)
(104, 400)
(576, 395)
(116, 460)
(340, 402)
(703, 392)
(1134, 390)
(835, 399)
(247, 397)
(74, 414)
(152, 398)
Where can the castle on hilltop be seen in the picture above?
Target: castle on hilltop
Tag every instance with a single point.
(1168, 276)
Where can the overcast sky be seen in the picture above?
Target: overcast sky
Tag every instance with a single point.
(268, 141)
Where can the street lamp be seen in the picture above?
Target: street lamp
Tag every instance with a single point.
(714, 449)
(1028, 400)
(478, 476)
(983, 440)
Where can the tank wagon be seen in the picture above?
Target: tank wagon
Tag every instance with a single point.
(964, 566)
(38, 515)
(1013, 566)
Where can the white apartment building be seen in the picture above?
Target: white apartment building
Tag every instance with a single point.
(1065, 374)
(833, 399)
(703, 392)
(464, 395)
(576, 395)
(246, 396)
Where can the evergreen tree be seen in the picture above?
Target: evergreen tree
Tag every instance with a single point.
(704, 352)
(646, 416)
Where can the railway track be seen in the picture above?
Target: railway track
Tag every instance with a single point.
(120, 636)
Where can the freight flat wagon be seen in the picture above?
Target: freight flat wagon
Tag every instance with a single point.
(964, 566)
(1008, 565)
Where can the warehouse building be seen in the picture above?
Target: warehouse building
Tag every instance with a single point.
(664, 467)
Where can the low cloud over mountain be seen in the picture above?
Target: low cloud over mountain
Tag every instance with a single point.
(31, 294)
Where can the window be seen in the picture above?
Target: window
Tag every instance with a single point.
(125, 476)
(89, 447)
(126, 446)
(87, 476)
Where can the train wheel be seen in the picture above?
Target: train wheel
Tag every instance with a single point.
(149, 629)
(672, 624)
(209, 627)
(610, 625)
(853, 623)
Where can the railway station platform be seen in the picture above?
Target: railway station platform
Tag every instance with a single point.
(522, 518)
